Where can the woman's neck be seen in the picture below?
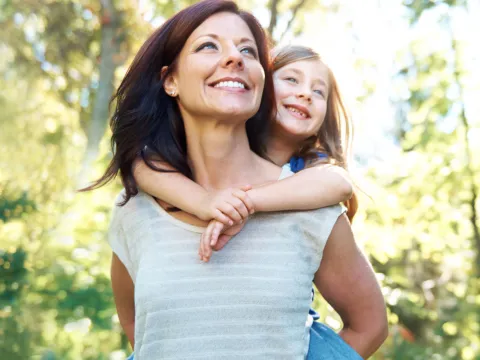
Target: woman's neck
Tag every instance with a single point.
(220, 156)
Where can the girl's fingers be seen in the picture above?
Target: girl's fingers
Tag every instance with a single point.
(224, 219)
(222, 241)
(239, 207)
(217, 229)
(243, 196)
(229, 210)
(246, 187)
(207, 235)
(200, 248)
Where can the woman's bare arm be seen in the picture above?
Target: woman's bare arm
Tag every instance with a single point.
(312, 188)
(347, 281)
(123, 291)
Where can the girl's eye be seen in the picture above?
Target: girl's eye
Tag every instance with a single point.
(291, 79)
(208, 45)
(319, 92)
(249, 50)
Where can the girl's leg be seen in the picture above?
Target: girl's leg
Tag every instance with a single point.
(326, 344)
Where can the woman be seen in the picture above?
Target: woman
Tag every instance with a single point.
(207, 136)
(302, 81)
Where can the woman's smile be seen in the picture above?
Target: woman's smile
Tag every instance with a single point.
(231, 85)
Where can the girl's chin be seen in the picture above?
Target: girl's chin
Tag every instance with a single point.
(293, 130)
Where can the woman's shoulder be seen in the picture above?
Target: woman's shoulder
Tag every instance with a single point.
(319, 222)
(139, 203)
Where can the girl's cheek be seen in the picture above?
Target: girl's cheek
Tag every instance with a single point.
(281, 91)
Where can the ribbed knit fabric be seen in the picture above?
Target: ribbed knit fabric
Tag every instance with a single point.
(249, 302)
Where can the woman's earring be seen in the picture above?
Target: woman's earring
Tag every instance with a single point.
(172, 93)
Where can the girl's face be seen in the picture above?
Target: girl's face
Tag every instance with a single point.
(219, 75)
(301, 90)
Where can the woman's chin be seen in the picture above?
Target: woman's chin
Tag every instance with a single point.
(237, 111)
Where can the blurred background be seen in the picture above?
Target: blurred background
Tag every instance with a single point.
(410, 72)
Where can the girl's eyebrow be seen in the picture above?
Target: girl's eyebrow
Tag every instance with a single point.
(296, 71)
(300, 73)
(321, 81)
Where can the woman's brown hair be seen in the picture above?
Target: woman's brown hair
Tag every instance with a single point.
(147, 122)
(335, 135)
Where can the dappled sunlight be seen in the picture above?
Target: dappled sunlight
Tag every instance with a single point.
(410, 76)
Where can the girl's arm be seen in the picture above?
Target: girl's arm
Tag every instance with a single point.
(123, 291)
(347, 281)
(312, 188)
(228, 206)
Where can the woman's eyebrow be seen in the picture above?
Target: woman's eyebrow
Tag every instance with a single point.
(217, 37)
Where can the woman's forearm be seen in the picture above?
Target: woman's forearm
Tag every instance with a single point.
(130, 332)
(309, 189)
(348, 283)
(364, 343)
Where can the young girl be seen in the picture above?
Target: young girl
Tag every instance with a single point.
(311, 132)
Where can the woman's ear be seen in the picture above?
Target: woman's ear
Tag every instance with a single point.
(169, 82)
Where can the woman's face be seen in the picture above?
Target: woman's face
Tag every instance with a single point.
(301, 90)
(218, 74)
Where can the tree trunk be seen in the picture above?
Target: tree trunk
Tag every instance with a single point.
(468, 158)
(110, 46)
(273, 16)
(295, 11)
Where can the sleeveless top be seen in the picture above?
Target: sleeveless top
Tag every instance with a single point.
(249, 302)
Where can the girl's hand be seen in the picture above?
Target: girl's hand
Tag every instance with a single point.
(216, 237)
(229, 207)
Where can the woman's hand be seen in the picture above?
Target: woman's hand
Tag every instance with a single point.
(216, 236)
(229, 207)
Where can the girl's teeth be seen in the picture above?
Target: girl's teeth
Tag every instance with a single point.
(296, 111)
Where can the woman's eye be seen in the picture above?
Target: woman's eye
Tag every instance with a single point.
(249, 50)
(208, 46)
(319, 92)
(291, 79)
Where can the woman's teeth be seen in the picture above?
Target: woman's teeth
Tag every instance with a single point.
(230, 84)
(295, 110)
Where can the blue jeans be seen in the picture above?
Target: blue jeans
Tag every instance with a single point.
(325, 344)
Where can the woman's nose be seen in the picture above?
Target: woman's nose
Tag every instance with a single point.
(233, 59)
